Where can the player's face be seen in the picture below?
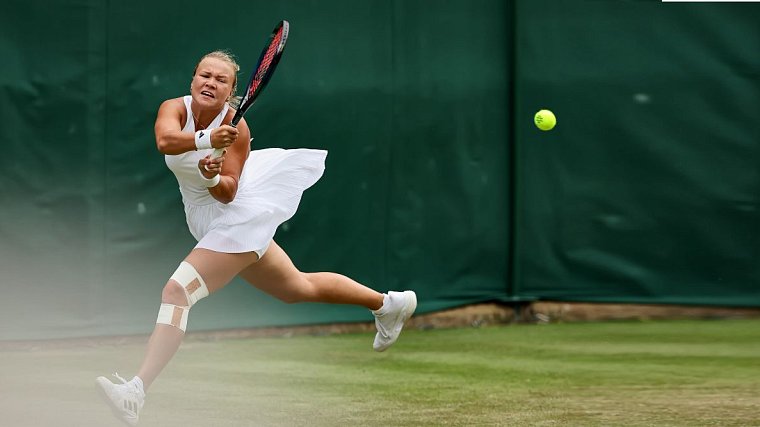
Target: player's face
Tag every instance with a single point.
(212, 83)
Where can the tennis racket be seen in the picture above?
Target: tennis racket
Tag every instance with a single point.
(268, 60)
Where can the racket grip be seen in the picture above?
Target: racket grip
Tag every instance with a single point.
(218, 152)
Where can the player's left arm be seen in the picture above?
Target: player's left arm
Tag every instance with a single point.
(230, 164)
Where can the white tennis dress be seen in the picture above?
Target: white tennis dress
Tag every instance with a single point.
(269, 191)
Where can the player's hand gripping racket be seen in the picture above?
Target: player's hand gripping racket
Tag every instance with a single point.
(268, 60)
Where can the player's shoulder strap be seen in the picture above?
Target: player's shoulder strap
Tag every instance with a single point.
(189, 125)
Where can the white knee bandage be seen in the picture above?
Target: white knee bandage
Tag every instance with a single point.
(173, 315)
(192, 282)
(195, 289)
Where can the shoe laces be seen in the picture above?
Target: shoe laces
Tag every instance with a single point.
(123, 381)
(132, 387)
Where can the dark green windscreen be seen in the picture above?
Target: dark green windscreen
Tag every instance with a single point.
(647, 190)
(409, 100)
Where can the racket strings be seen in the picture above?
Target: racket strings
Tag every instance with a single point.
(265, 63)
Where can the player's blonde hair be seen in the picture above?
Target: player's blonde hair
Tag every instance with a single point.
(227, 57)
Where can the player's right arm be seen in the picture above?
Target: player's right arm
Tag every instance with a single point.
(168, 129)
(169, 136)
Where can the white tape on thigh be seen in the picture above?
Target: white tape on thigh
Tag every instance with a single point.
(192, 282)
(173, 315)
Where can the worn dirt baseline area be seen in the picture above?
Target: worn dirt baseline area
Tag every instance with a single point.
(499, 314)
(463, 317)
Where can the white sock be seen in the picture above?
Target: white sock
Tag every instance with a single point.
(382, 309)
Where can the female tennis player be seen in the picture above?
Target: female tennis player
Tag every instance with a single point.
(233, 205)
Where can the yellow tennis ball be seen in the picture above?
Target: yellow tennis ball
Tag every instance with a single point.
(545, 120)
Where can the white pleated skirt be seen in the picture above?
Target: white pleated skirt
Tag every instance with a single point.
(269, 191)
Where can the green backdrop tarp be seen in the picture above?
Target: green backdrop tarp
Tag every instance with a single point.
(409, 102)
(647, 190)
(436, 179)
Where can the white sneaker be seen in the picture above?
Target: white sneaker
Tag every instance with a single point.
(125, 399)
(397, 309)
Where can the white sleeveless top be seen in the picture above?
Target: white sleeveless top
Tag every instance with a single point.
(185, 165)
(269, 191)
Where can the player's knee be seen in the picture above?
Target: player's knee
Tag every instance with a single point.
(189, 282)
(303, 291)
(173, 293)
(185, 287)
(290, 299)
(181, 292)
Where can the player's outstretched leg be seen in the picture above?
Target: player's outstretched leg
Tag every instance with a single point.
(276, 275)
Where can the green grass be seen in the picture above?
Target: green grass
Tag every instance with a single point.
(664, 373)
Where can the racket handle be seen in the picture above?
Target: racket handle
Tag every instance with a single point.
(218, 152)
(236, 119)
